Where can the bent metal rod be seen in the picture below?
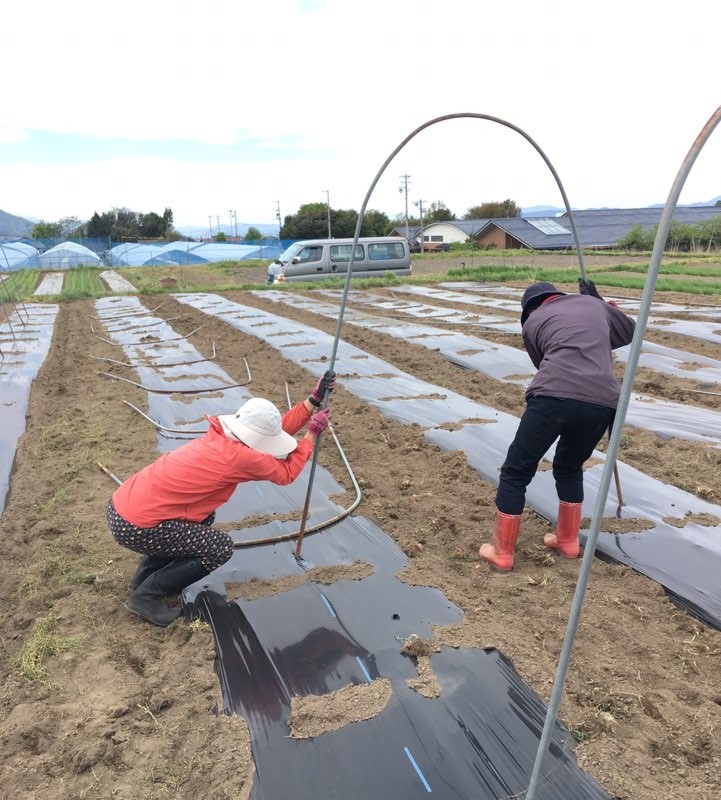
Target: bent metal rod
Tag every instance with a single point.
(286, 537)
(612, 450)
(359, 223)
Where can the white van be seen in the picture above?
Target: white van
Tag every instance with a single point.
(316, 259)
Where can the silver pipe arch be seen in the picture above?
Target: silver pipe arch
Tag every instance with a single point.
(613, 443)
(359, 223)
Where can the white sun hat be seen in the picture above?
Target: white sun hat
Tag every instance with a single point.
(257, 423)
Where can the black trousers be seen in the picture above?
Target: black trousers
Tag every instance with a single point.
(578, 426)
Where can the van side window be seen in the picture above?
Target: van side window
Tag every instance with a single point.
(308, 254)
(385, 252)
(341, 253)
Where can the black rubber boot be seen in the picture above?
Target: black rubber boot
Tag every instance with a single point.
(148, 600)
(148, 565)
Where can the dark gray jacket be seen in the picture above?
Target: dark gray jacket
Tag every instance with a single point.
(569, 339)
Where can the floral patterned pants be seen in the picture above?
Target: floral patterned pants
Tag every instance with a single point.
(174, 538)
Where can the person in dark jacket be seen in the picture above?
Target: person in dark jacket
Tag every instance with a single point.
(572, 399)
(167, 509)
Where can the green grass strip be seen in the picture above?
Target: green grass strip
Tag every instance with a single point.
(671, 269)
(19, 285)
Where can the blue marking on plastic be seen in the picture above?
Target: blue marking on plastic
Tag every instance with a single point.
(417, 769)
(365, 671)
(330, 607)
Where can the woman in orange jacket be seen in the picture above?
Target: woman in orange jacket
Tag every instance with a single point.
(167, 509)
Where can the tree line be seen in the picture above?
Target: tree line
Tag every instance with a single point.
(118, 224)
(682, 237)
(313, 220)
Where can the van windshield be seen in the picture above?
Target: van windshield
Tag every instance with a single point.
(302, 253)
(287, 255)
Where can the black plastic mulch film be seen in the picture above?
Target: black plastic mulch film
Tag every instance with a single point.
(478, 739)
(686, 560)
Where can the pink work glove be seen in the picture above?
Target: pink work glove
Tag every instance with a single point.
(319, 422)
(324, 387)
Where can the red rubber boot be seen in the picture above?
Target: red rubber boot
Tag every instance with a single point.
(565, 539)
(500, 553)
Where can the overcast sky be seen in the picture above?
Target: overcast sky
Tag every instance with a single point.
(217, 106)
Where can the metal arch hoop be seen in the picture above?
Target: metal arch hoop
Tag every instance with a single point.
(612, 450)
(359, 223)
(183, 391)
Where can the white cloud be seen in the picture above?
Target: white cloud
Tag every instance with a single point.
(615, 94)
(10, 135)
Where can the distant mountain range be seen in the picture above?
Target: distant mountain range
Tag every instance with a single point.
(197, 232)
(12, 227)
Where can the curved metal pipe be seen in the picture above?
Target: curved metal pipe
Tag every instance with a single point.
(321, 525)
(612, 450)
(176, 391)
(359, 223)
(162, 427)
(149, 344)
(155, 366)
(143, 325)
(286, 536)
(114, 317)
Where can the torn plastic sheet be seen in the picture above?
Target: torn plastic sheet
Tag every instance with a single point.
(250, 499)
(675, 362)
(486, 446)
(663, 359)
(478, 739)
(509, 299)
(665, 418)
(625, 303)
(428, 312)
(658, 357)
(685, 560)
(24, 342)
(140, 339)
(512, 364)
(710, 331)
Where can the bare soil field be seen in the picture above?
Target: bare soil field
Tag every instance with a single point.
(108, 706)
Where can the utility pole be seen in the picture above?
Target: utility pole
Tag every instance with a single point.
(230, 215)
(403, 189)
(217, 219)
(419, 204)
(327, 194)
(277, 215)
(210, 225)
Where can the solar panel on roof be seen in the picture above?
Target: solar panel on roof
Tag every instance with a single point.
(548, 226)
